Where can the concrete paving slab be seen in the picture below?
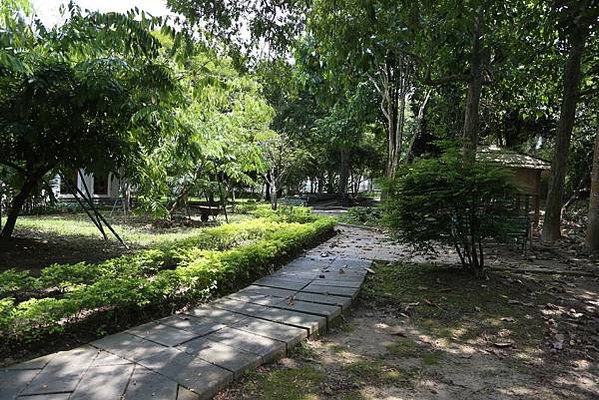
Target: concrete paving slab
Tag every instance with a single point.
(36, 363)
(146, 384)
(324, 280)
(13, 381)
(306, 263)
(313, 323)
(63, 372)
(343, 302)
(103, 382)
(352, 263)
(332, 290)
(192, 372)
(128, 346)
(235, 360)
(239, 306)
(331, 312)
(218, 314)
(269, 291)
(105, 358)
(199, 326)
(267, 349)
(257, 298)
(162, 334)
(52, 396)
(290, 284)
(291, 335)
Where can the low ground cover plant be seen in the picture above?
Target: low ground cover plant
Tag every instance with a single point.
(367, 216)
(216, 261)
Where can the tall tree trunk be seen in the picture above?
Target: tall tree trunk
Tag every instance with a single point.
(559, 164)
(475, 84)
(16, 206)
(343, 174)
(592, 239)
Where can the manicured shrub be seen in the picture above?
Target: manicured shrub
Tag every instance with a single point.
(198, 268)
(285, 213)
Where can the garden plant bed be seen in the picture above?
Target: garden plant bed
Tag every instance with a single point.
(71, 304)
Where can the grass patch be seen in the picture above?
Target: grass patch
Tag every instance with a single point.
(136, 231)
(376, 372)
(288, 384)
(431, 359)
(404, 347)
(449, 303)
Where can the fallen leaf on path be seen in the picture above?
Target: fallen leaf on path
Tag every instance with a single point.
(503, 345)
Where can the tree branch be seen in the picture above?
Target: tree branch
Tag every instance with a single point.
(15, 167)
(446, 79)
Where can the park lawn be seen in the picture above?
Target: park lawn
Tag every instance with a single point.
(430, 332)
(42, 240)
(134, 230)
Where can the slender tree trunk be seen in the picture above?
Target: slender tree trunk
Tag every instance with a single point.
(267, 188)
(592, 239)
(392, 137)
(419, 127)
(343, 174)
(16, 206)
(273, 194)
(559, 164)
(475, 84)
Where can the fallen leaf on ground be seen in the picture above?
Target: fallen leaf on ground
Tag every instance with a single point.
(503, 345)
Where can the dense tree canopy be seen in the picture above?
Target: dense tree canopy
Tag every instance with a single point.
(301, 95)
(88, 94)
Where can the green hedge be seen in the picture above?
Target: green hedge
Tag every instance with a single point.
(191, 270)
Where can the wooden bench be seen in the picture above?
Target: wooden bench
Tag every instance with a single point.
(206, 210)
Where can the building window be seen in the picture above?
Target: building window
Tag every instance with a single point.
(101, 185)
(72, 176)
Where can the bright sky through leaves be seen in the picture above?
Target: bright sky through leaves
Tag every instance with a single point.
(48, 10)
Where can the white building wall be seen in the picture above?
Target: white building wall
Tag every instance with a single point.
(113, 186)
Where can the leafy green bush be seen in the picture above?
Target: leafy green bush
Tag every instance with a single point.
(439, 201)
(198, 268)
(246, 207)
(12, 281)
(369, 216)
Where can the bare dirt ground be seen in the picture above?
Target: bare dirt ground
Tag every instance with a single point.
(434, 332)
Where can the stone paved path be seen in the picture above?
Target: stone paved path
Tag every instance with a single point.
(195, 354)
